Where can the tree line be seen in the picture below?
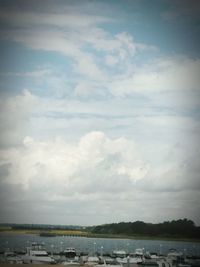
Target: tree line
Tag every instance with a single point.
(41, 227)
(175, 228)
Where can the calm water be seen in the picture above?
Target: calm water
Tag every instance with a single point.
(91, 245)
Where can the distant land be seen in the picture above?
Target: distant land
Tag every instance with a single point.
(40, 226)
(182, 229)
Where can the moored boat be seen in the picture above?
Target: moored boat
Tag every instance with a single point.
(92, 260)
(119, 253)
(36, 254)
(11, 257)
(69, 252)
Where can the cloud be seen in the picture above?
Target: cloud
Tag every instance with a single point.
(14, 117)
(82, 167)
(90, 89)
(47, 117)
(65, 173)
(163, 75)
(71, 18)
(110, 60)
(76, 36)
(97, 169)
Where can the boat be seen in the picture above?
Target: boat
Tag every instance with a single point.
(130, 260)
(92, 260)
(74, 261)
(136, 260)
(137, 256)
(70, 252)
(37, 254)
(139, 252)
(11, 257)
(119, 253)
(109, 262)
(174, 254)
(121, 260)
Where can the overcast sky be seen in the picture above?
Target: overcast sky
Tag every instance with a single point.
(99, 111)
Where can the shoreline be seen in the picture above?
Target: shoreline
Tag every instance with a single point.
(91, 235)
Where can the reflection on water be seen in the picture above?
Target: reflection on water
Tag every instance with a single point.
(90, 245)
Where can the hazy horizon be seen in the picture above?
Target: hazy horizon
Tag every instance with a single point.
(77, 226)
(99, 111)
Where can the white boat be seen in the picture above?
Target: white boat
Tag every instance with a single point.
(135, 260)
(119, 253)
(174, 254)
(121, 260)
(71, 262)
(129, 260)
(113, 264)
(137, 256)
(92, 260)
(108, 260)
(36, 254)
(11, 257)
(155, 256)
(139, 252)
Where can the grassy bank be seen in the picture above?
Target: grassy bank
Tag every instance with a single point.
(37, 232)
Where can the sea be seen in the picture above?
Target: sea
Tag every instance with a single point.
(19, 242)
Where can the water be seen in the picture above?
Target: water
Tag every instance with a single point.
(92, 245)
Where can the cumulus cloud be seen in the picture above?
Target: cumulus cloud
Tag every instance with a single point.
(96, 169)
(95, 160)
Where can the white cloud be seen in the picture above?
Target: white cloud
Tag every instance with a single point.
(94, 160)
(170, 75)
(88, 89)
(163, 75)
(81, 43)
(84, 88)
(102, 174)
(94, 168)
(71, 18)
(86, 66)
(43, 117)
(110, 60)
(14, 117)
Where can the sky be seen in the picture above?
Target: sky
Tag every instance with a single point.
(99, 111)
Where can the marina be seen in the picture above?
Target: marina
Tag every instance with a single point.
(77, 251)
